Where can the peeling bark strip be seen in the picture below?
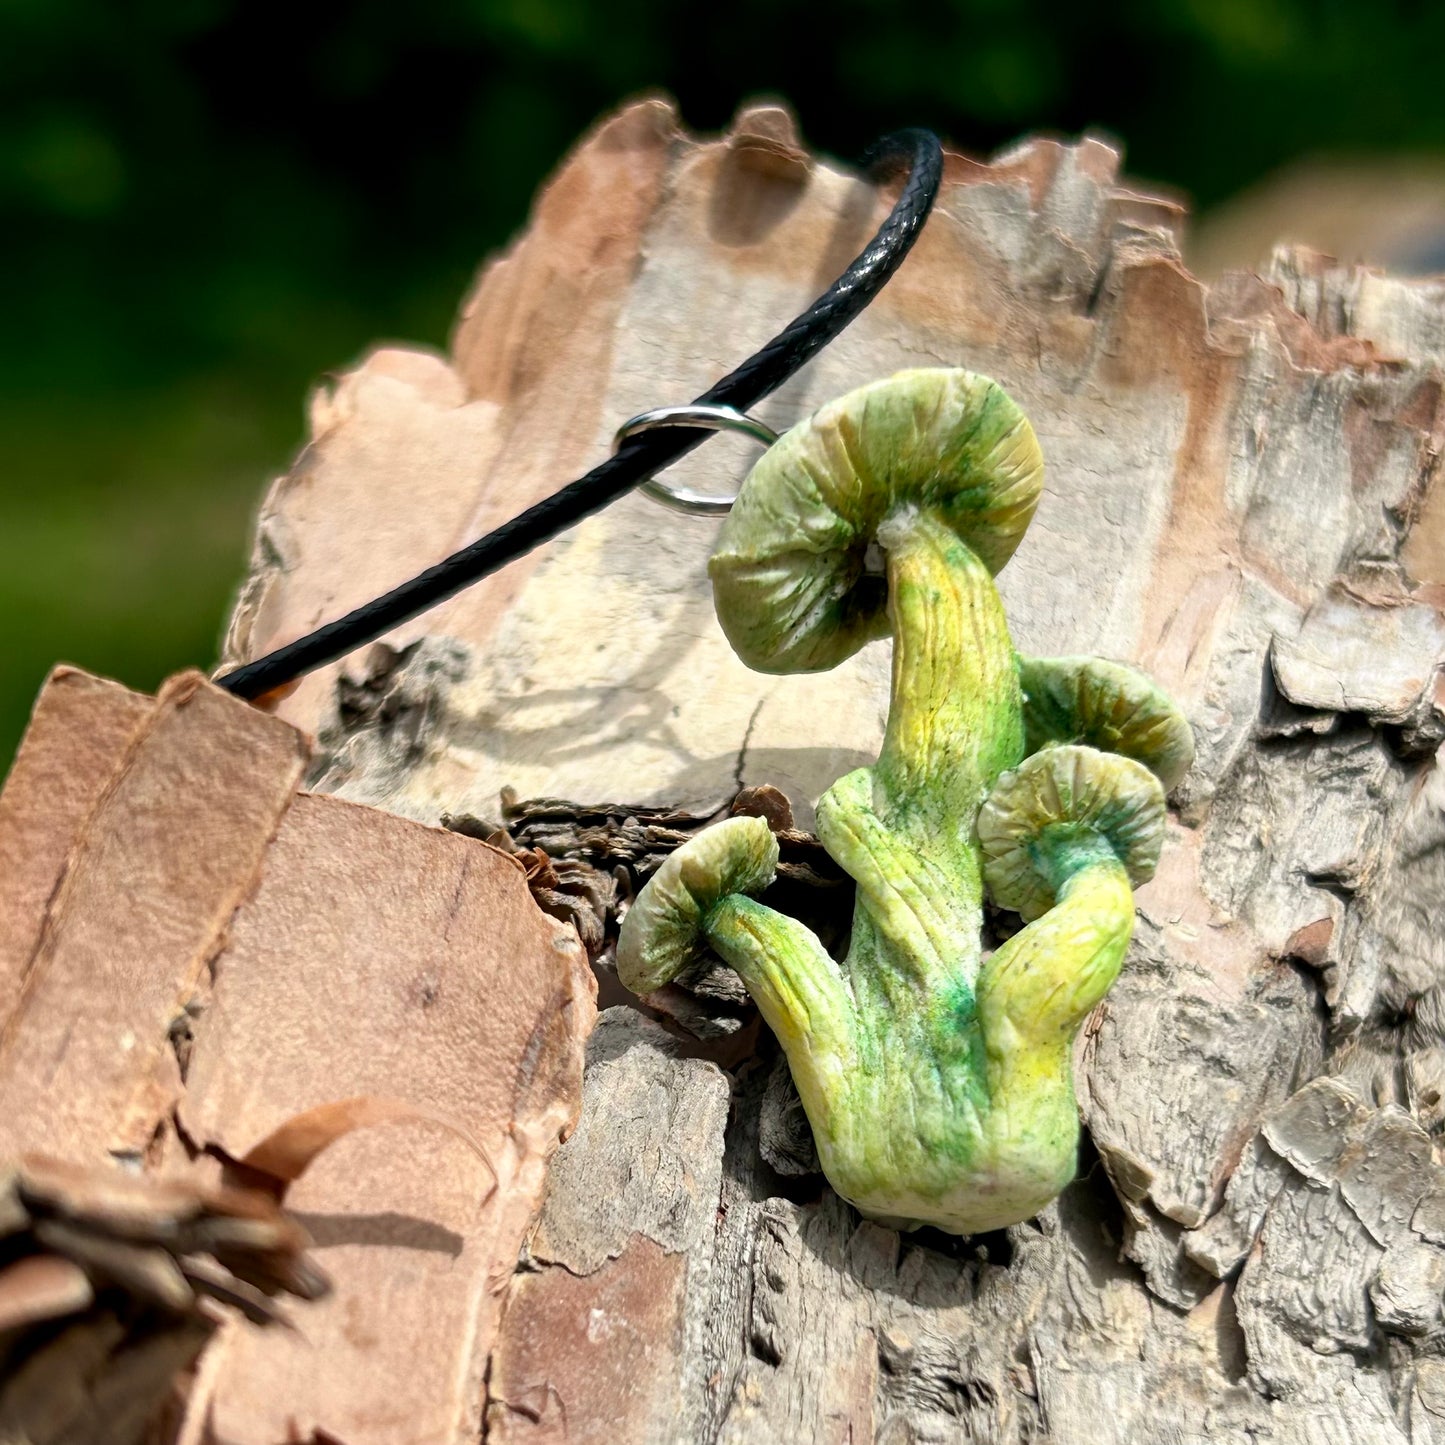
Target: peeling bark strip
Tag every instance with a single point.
(170, 849)
(1244, 498)
(212, 954)
(433, 976)
(81, 728)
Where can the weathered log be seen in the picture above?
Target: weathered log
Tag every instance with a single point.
(1244, 497)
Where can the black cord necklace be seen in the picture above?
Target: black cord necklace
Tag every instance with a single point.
(643, 455)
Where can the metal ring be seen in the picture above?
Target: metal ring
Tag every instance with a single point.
(708, 418)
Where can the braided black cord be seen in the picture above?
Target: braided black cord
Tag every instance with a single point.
(641, 456)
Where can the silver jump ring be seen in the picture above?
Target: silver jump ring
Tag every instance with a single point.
(709, 418)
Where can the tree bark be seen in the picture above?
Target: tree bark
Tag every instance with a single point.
(207, 978)
(1244, 497)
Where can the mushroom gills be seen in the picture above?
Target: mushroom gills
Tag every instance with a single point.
(1109, 706)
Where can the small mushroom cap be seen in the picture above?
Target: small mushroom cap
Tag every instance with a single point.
(1056, 812)
(789, 577)
(663, 931)
(1108, 706)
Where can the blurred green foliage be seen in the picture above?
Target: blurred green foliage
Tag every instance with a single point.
(206, 204)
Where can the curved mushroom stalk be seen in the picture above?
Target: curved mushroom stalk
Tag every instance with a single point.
(1063, 838)
(938, 1086)
(698, 899)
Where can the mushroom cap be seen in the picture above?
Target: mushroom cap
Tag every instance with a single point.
(1109, 706)
(789, 576)
(663, 931)
(1051, 814)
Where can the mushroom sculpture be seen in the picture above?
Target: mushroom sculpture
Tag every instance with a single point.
(937, 1081)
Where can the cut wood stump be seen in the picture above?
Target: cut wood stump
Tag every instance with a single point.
(1243, 497)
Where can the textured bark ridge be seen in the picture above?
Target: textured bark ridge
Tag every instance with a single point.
(1244, 497)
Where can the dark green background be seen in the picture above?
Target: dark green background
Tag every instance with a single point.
(206, 204)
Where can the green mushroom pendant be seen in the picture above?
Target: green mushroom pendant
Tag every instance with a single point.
(938, 1082)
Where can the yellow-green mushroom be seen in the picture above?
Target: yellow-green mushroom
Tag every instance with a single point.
(937, 1081)
(1106, 705)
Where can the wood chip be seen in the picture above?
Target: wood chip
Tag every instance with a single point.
(335, 968)
(42, 1287)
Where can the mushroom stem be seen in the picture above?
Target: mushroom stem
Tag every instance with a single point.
(1033, 994)
(904, 828)
(1036, 989)
(800, 992)
(954, 720)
